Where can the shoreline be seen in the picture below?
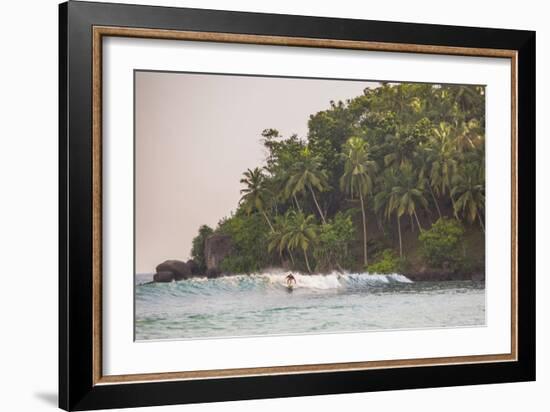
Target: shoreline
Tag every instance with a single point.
(442, 276)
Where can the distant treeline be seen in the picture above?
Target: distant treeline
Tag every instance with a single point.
(397, 152)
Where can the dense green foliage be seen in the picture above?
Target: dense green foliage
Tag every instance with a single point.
(249, 234)
(387, 262)
(374, 169)
(332, 248)
(442, 245)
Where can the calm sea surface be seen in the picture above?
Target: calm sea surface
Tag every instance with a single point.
(248, 305)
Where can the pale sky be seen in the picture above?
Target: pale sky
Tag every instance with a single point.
(195, 135)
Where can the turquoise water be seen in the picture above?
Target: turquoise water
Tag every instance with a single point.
(260, 304)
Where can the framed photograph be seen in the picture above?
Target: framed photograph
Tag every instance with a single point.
(257, 205)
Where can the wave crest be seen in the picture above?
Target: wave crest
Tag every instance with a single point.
(338, 280)
(276, 279)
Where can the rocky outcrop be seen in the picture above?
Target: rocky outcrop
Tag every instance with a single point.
(194, 267)
(216, 248)
(434, 275)
(163, 277)
(175, 270)
(179, 269)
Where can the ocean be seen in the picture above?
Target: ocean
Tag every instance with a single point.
(260, 304)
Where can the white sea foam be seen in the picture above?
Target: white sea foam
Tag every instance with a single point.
(276, 277)
(334, 280)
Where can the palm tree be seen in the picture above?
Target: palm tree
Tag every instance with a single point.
(279, 237)
(308, 174)
(280, 181)
(409, 193)
(302, 232)
(470, 135)
(255, 194)
(441, 157)
(358, 175)
(421, 163)
(466, 98)
(387, 200)
(401, 150)
(469, 190)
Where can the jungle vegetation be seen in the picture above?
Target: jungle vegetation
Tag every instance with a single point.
(384, 179)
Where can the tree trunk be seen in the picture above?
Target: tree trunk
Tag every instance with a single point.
(418, 222)
(379, 223)
(317, 204)
(481, 222)
(291, 258)
(454, 207)
(307, 261)
(399, 231)
(297, 204)
(365, 257)
(268, 221)
(435, 201)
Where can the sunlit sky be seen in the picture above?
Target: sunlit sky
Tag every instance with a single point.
(195, 136)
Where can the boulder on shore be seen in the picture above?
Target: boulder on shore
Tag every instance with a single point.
(193, 267)
(179, 269)
(163, 277)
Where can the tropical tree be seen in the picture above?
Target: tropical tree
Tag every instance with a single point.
(422, 165)
(280, 236)
(470, 136)
(409, 193)
(249, 234)
(386, 200)
(401, 148)
(467, 102)
(307, 174)
(302, 233)
(442, 159)
(469, 191)
(255, 194)
(282, 155)
(358, 178)
(279, 186)
(331, 249)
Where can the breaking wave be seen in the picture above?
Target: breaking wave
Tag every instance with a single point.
(275, 279)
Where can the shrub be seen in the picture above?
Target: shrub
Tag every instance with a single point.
(332, 248)
(249, 237)
(442, 244)
(386, 262)
(238, 264)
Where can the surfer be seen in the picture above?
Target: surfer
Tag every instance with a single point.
(290, 280)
